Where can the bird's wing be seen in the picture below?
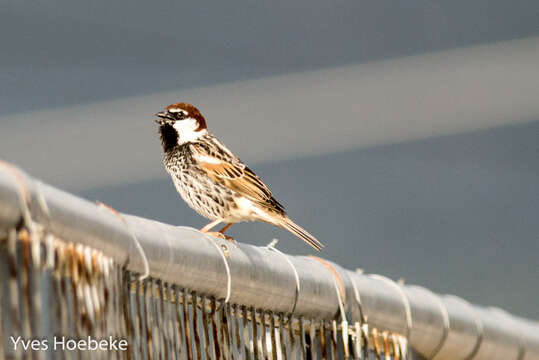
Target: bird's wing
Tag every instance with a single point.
(225, 168)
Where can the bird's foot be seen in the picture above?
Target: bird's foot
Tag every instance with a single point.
(222, 236)
(230, 239)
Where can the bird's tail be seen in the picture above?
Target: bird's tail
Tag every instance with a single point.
(288, 224)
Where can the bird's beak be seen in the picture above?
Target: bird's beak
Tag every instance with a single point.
(162, 118)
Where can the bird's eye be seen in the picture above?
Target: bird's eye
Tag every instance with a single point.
(180, 115)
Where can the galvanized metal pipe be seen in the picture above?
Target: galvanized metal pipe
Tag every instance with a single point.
(439, 327)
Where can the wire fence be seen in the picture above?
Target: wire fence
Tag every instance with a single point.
(74, 285)
(75, 292)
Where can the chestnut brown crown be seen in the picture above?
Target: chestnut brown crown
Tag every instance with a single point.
(181, 111)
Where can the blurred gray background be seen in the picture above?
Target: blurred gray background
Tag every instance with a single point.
(404, 135)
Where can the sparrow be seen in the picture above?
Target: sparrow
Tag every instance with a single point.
(212, 180)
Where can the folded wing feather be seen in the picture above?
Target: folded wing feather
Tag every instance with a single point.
(236, 176)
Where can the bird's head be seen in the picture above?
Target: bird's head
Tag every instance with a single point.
(180, 123)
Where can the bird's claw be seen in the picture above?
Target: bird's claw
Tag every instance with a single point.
(222, 236)
(231, 239)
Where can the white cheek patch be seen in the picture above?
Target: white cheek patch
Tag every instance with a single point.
(186, 130)
(186, 125)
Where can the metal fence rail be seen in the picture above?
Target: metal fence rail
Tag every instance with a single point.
(439, 327)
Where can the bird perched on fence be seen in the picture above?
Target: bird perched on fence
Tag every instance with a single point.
(212, 180)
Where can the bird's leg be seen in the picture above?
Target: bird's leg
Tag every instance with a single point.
(225, 228)
(227, 237)
(220, 234)
(210, 226)
(206, 230)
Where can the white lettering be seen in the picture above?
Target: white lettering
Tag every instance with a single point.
(36, 345)
(81, 344)
(57, 343)
(92, 344)
(103, 345)
(15, 342)
(33, 344)
(122, 345)
(71, 344)
(65, 343)
(112, 343)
